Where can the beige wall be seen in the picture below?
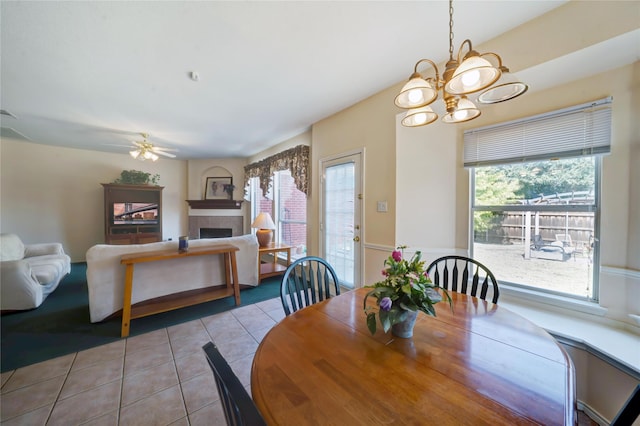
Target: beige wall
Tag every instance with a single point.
(50, 193)
(419, 171)
(54, 194)
(369, 124)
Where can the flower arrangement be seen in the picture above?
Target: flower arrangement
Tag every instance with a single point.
(406, 287)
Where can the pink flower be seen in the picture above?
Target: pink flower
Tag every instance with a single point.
(385, 273)
(397, 255)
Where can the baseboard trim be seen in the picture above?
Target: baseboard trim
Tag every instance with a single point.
(592, 414)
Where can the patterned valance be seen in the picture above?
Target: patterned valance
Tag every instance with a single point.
(295, 159)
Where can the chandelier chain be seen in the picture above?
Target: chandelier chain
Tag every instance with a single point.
(450, 29)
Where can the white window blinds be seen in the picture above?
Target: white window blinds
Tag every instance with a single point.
(571, 132)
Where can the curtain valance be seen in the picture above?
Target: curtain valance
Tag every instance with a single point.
(295, 159)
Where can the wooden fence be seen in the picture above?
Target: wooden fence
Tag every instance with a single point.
(511, 227)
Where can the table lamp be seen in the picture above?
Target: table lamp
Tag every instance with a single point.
(265, 225)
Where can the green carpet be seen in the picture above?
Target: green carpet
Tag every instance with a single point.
(61, 325)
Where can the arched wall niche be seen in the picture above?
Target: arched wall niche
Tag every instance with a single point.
(214, 171)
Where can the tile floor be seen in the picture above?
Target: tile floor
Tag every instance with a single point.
(158, 378)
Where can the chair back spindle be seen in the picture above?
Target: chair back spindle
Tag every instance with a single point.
(307, 281)
(445, 273)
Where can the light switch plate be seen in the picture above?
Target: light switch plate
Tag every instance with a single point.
(382, 206)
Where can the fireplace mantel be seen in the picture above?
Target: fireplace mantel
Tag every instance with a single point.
(215, 204)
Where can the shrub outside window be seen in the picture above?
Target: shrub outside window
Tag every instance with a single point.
(535, 224)
(535, 197)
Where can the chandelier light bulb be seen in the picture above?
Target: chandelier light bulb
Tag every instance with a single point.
(460, 114)
(420, 118)
(415, 96)
(470, 78)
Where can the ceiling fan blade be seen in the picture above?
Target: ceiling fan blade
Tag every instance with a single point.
(119, 145)
(158, 149)
(166, 154)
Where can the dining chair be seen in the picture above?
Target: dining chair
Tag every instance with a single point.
(630, 411)
(453, 272)
(306, 281)
(237, 405)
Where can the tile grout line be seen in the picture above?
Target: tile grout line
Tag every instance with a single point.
(74, 360)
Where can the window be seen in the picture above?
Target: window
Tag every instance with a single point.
(535, 198)
(534, 223)
(288, 208)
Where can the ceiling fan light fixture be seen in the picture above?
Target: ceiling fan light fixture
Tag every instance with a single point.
(135, 153)
(148, 155)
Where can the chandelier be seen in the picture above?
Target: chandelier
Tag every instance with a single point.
(471, 74)
(143, 152)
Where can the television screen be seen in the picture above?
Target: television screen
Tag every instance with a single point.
(135, 213)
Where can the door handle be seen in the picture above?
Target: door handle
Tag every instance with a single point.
(356, 239)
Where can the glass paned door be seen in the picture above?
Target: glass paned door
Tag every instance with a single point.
(341, 217)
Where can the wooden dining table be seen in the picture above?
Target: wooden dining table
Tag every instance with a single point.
(475, 364)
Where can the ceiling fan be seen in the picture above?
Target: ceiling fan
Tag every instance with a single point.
(144, 150)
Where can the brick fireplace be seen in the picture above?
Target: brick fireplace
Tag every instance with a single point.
(220, 223)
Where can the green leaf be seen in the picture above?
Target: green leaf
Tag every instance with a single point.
(371, 322)
(385, 321)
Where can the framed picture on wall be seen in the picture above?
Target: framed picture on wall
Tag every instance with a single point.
(219, 188)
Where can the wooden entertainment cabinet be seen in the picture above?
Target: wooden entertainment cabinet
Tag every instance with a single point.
(144, 227)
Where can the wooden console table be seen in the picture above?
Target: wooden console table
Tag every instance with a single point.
(271, 269)
(179, 300)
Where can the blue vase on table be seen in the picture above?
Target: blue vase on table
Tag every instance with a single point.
(404, 329)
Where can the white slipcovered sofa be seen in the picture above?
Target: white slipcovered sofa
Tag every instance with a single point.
(105, 274)
(29, 273)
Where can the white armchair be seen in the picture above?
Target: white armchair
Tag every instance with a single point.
(29, 273)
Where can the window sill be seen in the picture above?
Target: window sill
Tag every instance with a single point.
(563, 302)
(579, 324)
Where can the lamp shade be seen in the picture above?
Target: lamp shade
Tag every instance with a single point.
(265, 225)
(465, 111)
(419, 117)
(263, 221)
(508, 87)
(415, 93)
(473, 74)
